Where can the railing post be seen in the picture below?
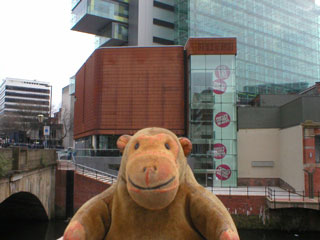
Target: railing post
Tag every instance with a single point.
(265, 191)
(289, 195)
(303, 195)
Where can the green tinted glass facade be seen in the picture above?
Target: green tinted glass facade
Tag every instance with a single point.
(212, 119)
(277, 40)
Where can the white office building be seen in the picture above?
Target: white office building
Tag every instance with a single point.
(25, 98)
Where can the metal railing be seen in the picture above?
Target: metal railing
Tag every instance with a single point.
(272, 193)
(290, 195)
(240, 191)
(87, 152)
(87, 171)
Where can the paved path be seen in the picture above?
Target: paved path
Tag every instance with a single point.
(86, 171)
(272, 193)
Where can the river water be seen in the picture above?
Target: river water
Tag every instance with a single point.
(54, 230)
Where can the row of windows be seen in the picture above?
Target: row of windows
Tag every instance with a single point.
(16, 94)
(26, 89)
(16, 100)
(31, 108)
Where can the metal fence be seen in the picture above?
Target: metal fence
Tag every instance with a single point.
(290, 195)
(271, 192)
(87, 152)
(87, 171)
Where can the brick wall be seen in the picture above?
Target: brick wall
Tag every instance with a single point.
(244, 205)
(60, 193)
(310, 164)
(130, 88)
(86, 188)
(258, 181)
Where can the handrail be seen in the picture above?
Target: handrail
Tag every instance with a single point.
(91, 172)
(268, 191)
(95, 170)
(89, 152)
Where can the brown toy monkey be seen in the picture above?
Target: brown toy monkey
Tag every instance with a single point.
(155, 197)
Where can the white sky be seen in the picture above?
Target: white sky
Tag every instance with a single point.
(36, 43)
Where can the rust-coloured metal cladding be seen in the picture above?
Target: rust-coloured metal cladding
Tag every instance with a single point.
(121, 90)
(206, 46)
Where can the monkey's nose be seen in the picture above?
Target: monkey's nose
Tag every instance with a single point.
(151, 168)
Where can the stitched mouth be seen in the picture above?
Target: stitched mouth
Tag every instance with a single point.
(152, 188)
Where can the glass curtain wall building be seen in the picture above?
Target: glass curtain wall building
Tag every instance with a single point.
(277, 40)
(212, 119)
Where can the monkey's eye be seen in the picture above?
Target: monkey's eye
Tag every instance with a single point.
(167, 146)
(136, 146)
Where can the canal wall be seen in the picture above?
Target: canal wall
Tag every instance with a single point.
(287, 219)
(248, 212)
(86, 188)
(73, 190)
(252, 212)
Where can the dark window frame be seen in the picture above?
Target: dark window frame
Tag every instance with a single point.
(163, 6)
(162, 41)
(163, 23)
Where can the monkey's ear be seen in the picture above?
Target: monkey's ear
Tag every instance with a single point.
(186, 145)
(122, 142)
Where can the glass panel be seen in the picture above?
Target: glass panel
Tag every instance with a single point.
(110, 10)
(212, 119)
(79, 12)
(198, 62)
(279, 38)
(212, 61)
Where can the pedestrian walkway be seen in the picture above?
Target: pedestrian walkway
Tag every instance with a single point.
(87, 171)
(276, 197)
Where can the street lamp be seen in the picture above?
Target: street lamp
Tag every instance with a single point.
(40, 119)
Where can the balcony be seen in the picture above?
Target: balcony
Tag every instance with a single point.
(117, 35)
(93, 16)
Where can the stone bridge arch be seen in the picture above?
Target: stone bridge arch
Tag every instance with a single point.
(36, 187)
(22, 206)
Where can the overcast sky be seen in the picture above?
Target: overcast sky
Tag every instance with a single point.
(36, 42)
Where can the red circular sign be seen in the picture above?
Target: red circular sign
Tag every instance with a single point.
(219, 86)
(222, 119)
(222, 72)
(219, 151)
(223, 172)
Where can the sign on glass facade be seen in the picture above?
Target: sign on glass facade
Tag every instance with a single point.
(212, 119)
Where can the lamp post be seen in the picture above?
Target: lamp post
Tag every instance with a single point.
(40, 119)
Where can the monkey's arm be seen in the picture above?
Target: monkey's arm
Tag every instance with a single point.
(92, 220)
(210, 216)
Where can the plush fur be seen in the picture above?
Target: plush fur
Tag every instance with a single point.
(155, 197)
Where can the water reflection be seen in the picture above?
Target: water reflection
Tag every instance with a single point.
(54, 229)
(32, 230)
(277, 235)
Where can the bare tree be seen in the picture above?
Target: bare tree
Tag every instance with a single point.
(24, 119)
(66, 119)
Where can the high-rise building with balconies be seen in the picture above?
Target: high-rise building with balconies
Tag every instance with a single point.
(125, 22)
(278, 41)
